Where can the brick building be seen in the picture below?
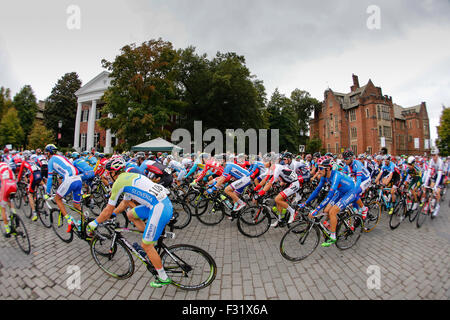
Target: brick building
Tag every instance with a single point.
(366, 120)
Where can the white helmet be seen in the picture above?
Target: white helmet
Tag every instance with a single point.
(411, 160)
(434, 151)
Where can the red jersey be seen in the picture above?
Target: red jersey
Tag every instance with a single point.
(212, 165)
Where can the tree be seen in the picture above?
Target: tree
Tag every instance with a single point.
(281, 115)
(443, 141)
(25, 103)
(10, 130)
(143, 94)
(304, 105)
(62, 105)
(39, 136)
(313, 145)
(5, 101)
(221, 92)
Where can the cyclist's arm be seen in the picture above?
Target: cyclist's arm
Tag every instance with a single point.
(333, 188)
(316, 191)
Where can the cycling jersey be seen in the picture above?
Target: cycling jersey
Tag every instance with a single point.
(35, 177)
(7, 184)
(158, 170)
(301, 169)
(60, 165)
(86, 171)
(213, 166)
(235, 171)
(357, 171)
(155, 206)
(282, 173)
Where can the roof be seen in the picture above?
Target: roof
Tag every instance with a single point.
(347, 103)
(158, 144)
(98, 83)
(398, 112)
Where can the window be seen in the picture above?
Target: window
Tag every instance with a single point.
(84, 115)
(417, 124)
(96, 140)
(83, 141)
(385, 112)
(379, 112)
(354, 149)
(336, 124)
(353, 132)
(387, 132)
(409, 139)
(330, 103)
(369, 150)
(367, 113)
(410, 124)
(328, 148)
(97, 114)
(337, 148)
(380, 131)
(352, 115)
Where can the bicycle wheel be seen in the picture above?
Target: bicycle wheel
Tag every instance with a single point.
(116, 261)
(348, 231)
(413, 214)
(213, 214)
(45, 217)
(398, 215)
(299, 241)
(254, 221)
(189, 267)
(18, 199)
(59, 225)
(422, 216)
(21, 235)
(183, 212)
(373, 216)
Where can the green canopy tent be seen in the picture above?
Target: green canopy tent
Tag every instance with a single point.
(158, 144)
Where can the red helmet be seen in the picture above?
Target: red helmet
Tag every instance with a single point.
(6, 150)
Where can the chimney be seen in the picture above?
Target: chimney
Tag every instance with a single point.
(355, 83)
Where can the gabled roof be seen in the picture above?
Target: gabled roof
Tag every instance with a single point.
(346, 103)
(99, 83)
(398, 112)
(158, 144)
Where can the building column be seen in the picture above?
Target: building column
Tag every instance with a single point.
(76, 138)
(108, 139)
(91, 126)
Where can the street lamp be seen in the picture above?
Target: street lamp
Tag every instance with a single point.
(59, 131)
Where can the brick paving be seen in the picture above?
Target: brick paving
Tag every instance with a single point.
(414, 264)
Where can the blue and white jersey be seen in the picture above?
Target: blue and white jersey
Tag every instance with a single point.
(60, 165)
(175, 165)
(235, 171)
(357, 171)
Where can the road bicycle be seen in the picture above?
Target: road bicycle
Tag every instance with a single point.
(303, 237)
(427, 207)
(189, 267)
(18, 230)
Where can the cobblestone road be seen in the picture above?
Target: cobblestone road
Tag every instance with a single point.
(414, 264)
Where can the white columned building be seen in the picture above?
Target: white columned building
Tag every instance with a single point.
(88, 134)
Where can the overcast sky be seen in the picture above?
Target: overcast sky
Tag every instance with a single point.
(310, 45)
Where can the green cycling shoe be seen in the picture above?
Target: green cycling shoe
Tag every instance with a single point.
(158, 283)
(329, 242)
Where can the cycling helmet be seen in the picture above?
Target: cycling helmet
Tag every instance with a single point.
(387, 157)
(115, 164)
(298, 158)
(325, 162)
(287, 155)
(411, 160)
(26, 154)
(348, 154)
(51, 148)
(75, 155)
(328, 154)
(339, 165)
(434, 151)
(139, 155)
(317, 155)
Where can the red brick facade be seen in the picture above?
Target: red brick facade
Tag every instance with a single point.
(361, 119)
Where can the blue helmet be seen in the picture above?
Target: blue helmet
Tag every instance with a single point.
(51, 148)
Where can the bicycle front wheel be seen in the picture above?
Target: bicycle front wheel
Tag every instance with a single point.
(299, 241)
(189, 267)
(45, 217)
(214, 213)
(397, 216)
(421, 217)
(21, 234)
(184, 214)
(373, 216)
(60, 225)
(349, 231)
(115, 261)
(18, 198)
(254, 221)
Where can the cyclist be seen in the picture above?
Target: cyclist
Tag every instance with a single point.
(8, 186)
(391, 175)
(71, 182)
(154, 206)
(435, 176)
(413, 178)
(34, 180)
(85, 170)
(177, 167)
(341, 194)
(356, 170)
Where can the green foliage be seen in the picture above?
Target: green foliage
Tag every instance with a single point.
(39, 136)
(62, 105)
(143, 93)
(10, 130)
(25, 103)
(5, 101)
(443, 141)
(314, 145)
